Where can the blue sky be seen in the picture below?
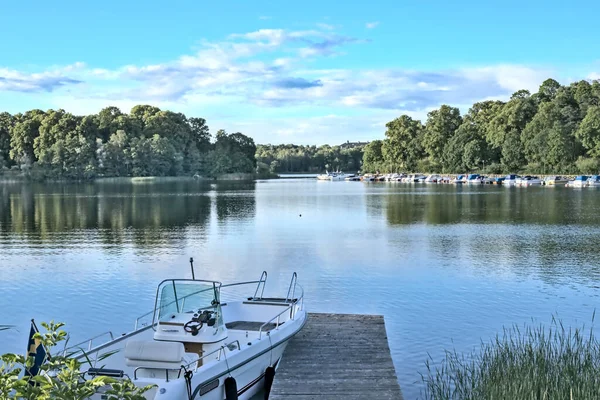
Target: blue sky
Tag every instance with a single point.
(308, 72)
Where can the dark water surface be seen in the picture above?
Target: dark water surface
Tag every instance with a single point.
(446, 265)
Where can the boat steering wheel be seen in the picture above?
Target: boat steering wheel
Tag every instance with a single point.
(193, 326)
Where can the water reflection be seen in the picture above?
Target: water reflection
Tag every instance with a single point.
(235, 200)
(147, 215)
(449, 204)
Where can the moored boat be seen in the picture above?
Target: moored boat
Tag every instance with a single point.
(530, 181)
(196, 342)
(579, 181)
(434, 178)
(459, 179)
(511, 179)
(555, 180)
(332, 176)
(474, 179)
(594, 181)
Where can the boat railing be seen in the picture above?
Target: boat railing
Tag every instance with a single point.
(291, 308)
(291, 289)
(89, 342)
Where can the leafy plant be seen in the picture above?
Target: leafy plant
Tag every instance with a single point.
(60, 377)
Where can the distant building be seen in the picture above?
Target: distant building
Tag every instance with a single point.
(349, 144)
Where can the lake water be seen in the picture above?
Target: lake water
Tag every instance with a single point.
(446, 265)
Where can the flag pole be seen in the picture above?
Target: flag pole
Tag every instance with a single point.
(48, 356)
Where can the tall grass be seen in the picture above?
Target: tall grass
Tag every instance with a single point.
(527, 363)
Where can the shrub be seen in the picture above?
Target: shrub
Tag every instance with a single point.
(60, 377)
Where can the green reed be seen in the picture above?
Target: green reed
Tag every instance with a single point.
(522, 363)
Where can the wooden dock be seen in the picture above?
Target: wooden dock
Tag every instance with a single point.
(338, 356)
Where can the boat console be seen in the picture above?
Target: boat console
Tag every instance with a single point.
(189, 311)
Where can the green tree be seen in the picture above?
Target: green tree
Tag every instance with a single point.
(6, 126)
(440, 127)
(373, 156)
(402, 147)
(589, 131)
(114, 157)
(548, 90)
(24, 133)
(506, 126)
(200, 133)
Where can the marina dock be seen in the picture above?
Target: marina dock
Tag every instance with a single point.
(338, 356)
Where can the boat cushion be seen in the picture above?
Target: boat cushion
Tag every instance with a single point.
(154, 354)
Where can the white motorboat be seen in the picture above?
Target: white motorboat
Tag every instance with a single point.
(197, 346)
(418, 178)
(593, 181)
(530, 181)
(474, 179)
(579, 181)
(555, 180)
(433, 178)
(332, 176)
(511, 180)
(367, 178)
(459, 179)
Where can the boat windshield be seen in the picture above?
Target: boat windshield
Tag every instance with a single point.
(178, 296)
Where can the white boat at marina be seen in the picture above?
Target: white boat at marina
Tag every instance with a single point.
(474, 179)
(530, 181)
(555, 180)
(459, 179)
(332, 176)
(511, 180)
(418, 178)
(196, 346)
(593, 181)
(433, 178)
(579, 181)
(367, 178)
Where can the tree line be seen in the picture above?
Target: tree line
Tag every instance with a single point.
(289, 158)
(556, 130)
(146, 142)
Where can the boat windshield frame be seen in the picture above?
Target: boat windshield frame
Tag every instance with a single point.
(216, 288)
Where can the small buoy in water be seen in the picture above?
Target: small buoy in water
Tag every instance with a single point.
(231, 389)
(300, 214)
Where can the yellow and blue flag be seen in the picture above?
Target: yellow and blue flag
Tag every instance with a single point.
(35, 349)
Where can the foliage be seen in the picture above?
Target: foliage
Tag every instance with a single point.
(289, 158)
(373, 156)
(146, 142)
(544, 132)
(60, 377)
(531, 362)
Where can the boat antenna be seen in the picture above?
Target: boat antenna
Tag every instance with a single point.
(192, 265)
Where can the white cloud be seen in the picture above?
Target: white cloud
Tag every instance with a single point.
(328, 27)
(371, 25)
(270, 72)
(594, 76)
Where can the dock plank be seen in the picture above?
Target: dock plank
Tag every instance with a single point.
(338, 356)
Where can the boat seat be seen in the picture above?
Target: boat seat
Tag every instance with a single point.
(154, 354)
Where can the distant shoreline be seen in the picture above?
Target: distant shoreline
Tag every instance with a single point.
(23, 178)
